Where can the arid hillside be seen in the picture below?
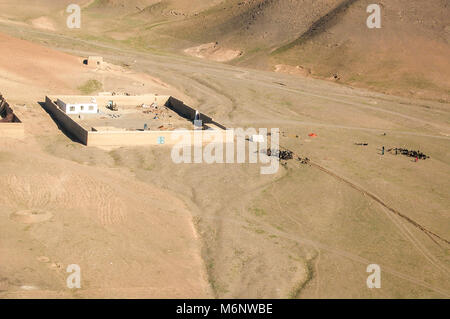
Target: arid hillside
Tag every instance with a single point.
(328, 39)
(59, 208)
(143, 226)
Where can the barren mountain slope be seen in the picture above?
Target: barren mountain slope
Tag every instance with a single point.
(408, 55)
(328, 38)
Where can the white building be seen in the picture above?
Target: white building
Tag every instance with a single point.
(79, 105)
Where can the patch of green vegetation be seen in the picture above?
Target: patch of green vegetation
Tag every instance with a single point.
(258, 211)
(154, 25)
(379, 84)
(355, 78)
(296, 290)
(248, 53)
(144, 43)
(116, 158)
(214, 284)
(148, 167)
(417, 81)
(254, 50)
(98, 3)
(259, 231)
(159, 6)
(90, 87)
(238, 252)
(288, 46)
(295, 258)
(99, 39)
(286, 103)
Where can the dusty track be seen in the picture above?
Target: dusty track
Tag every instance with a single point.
(378, 200)
(402, 228)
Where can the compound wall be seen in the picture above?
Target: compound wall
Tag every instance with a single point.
(134, 138)
(186, 111)
(139, 138)
(65, 122)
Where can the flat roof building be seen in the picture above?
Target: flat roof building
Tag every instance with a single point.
(78, 105)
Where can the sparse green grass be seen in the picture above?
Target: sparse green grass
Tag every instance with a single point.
(154, 25)
(116, 158)
(217, 287)
(98, 3)
(287, 47)
(286, 103)
(258, 212)
(417, 81)
(297, 289)
(90, 87)
(148, 167)
(238, 252)
(249, 53)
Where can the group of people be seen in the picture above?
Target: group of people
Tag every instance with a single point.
(411, 153)
(282, 155)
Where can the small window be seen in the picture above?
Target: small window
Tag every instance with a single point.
(82, 108)
(91, 107)
(72, 109)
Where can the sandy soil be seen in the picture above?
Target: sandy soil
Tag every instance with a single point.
(146, 245)
(140, 225)
(43, 23)
(212, 51)
(295, 70)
